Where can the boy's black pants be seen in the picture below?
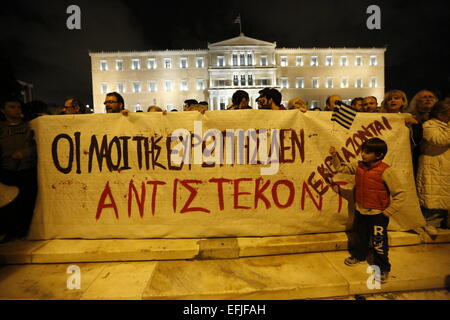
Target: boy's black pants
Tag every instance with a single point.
(373, 228)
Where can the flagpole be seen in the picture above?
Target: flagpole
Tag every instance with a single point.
(240, 25)
(238, 20)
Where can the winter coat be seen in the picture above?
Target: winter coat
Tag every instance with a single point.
(433, 176)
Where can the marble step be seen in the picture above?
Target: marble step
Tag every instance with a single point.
(296, 276)
(279, 277)
(109, 250)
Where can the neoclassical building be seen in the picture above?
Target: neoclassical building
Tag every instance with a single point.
(168, 77)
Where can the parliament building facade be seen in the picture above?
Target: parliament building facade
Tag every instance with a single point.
(168, 77)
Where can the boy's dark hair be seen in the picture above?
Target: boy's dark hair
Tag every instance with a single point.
(238, 96)
(375, 145)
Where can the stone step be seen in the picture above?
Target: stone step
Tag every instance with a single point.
(110, 250)
(294, 276)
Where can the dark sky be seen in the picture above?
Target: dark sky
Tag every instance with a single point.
(39, 48)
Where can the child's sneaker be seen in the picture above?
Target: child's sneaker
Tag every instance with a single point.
(352, 261)
(431, 230)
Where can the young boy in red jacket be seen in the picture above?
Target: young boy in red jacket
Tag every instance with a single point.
(378, 195)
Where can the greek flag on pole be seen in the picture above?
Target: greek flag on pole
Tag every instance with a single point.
(343, 115)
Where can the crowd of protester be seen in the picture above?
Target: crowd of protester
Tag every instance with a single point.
(429, 126)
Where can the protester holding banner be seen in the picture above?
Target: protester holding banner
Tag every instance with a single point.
(420, 107)
(370, 104)
(114, 103)
(262, 100)
(330, 103)
(17, 168)
(433, 177)
(357, 104)
(270, 99)
(240, 100)
(297, 103)
(421, 104)
(73, 105)
(379, 194)
(395, 101)
(154, 109)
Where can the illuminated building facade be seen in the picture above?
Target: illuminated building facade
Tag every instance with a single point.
(168, 77)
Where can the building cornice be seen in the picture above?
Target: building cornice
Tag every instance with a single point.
(107, 54)
(331, 50)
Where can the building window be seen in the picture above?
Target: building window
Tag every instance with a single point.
(249, 59)
(250, 80)
(373, 82)
(119, 65)
(135, 64)
(221, 82)
(184, 85)
(265, 82)
(200, 62)
(358, 83)
(283, 61)
(243, 80)
(344, 82)
(168, 85)
(152, 86)
(299, 61)
(221, 61)
(103, 65)
(284, 83)
(344, 61)
(167, 63)
(300, 83)
(315, 83)
(200, 84)
(235, 59)
(183, 63)
(235, 80)
(358, 61)
(242, 56)
(373, 61)
(329, 83)
(104, 88)
(314, 61)
(328, 61)
(120, 87)
(136, 86)
(151, 64)
(263, 60)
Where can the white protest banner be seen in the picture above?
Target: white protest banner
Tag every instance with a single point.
(188, 175)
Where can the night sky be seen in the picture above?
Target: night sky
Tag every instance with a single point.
(38, 48)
